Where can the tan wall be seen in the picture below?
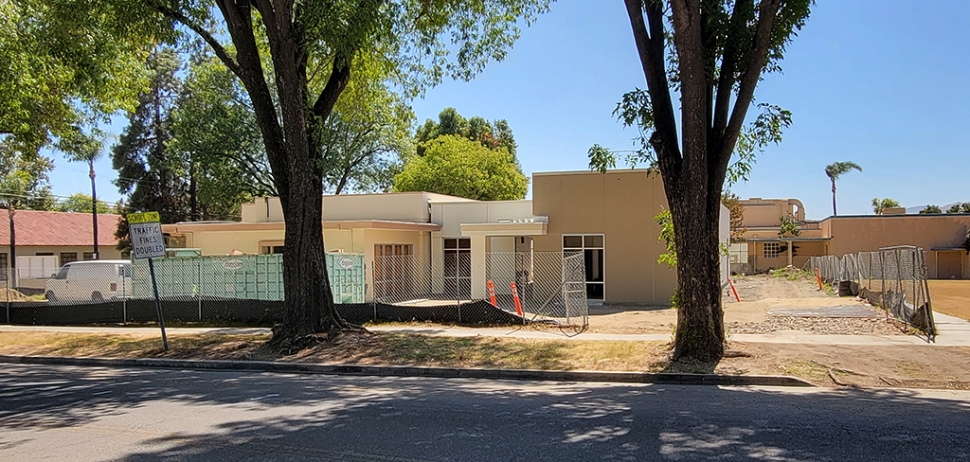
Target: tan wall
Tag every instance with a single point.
(766, 212)
(866, 234)
(806, 250)
(621, 205)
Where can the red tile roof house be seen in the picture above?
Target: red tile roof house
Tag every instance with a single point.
(65, 236)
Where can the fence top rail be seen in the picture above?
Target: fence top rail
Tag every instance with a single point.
(899, 247)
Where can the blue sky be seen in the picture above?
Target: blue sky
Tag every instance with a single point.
(884, 86)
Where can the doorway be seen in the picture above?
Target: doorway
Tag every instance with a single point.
(593, 249)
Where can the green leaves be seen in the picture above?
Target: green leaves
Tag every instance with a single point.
(457, 166)
(766, 129)
(879, 205)
(788, 227)
(666, 222)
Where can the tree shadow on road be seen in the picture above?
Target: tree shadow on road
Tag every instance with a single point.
(258, 416)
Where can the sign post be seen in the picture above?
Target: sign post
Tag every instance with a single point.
(145, 232)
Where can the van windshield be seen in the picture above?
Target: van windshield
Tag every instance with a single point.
(62, 274)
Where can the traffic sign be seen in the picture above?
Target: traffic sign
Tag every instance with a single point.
(145, 231)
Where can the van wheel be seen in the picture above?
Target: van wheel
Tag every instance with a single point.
(50, 296)
(97, 298)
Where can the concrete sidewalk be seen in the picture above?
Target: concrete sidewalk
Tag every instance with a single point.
(952, 332)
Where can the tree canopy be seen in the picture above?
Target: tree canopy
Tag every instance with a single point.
(81, 203)
(880, 205)
(931, 209)
(490, 134)
(959, 207)
(62, 71)
(458, 166)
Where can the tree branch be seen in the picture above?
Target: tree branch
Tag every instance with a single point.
(743, 9)
(767, 11)
(339, 78)
(217, 47)
(650, 47)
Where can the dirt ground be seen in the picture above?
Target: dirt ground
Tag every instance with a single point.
(759, 294)
(822, 365)
(951, 297)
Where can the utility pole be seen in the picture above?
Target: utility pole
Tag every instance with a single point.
(94, 208)
(12, 277)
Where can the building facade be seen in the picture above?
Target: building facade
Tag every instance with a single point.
(457, 242)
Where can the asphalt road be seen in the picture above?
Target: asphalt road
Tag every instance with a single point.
(94, 414)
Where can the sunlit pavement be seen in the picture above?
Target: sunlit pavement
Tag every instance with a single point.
(77, 414)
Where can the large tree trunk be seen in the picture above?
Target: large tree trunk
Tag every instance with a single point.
(308, 297)
(700, 317)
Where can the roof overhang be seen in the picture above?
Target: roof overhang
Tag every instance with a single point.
(190, 227)
(788, 239)
(949, 249)
(382, 224)
(531, 228)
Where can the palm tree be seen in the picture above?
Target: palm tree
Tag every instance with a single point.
(880, 205)
(836, 170)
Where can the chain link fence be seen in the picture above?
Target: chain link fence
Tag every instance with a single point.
(535, 286)
(236, 289)
(893, 278)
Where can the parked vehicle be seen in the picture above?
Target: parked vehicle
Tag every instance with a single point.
(95, 281)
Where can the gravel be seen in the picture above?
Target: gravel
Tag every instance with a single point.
(827, 325)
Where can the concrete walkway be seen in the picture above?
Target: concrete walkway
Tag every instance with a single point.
(952, 332)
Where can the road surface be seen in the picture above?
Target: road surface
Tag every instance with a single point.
(98, 414)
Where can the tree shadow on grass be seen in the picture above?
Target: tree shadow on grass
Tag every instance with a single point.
(209, 416)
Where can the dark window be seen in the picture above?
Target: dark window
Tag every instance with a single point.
(592, 246)
(458, 267)
(67, 257)
(88, 255)
(44, 254)
(572, 242)
(3, 266)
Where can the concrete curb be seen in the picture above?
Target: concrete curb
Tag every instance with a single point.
(417, 371)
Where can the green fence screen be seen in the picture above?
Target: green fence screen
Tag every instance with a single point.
(253, 277)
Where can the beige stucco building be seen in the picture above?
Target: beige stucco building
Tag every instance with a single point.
(606, 217)
(940, 235)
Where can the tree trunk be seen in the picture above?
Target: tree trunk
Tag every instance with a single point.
(835, 211)
(700, 318)
(308, 297)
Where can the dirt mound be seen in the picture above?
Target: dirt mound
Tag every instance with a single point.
(12, 295)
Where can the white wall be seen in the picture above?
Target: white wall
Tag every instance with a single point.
(450, 215)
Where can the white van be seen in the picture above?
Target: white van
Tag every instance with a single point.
(94, 280)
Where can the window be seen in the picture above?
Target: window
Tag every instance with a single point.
(88, 256)
(772, 249)
(67, 257)
(44, 254)
(458, 267)
(271, 249)
(3, 266)
(593, 247)
(394, 269)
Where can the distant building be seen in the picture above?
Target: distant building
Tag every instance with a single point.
(46, 240)
(940, 235)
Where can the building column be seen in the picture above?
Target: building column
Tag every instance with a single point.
(437, 263)
(478, 268)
